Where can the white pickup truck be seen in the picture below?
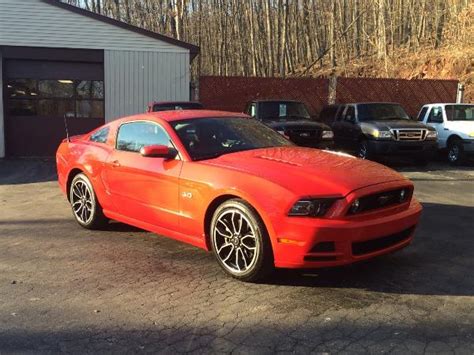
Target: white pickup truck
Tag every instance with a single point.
(455, 126)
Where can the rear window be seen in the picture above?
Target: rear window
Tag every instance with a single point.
(460, 112)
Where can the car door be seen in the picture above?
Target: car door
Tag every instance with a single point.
(337, 126)
(435, 119)
(143, 188)
(349, 130)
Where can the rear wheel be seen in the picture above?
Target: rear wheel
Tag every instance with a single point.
(240, 242)
(85, 207)
(455, 152)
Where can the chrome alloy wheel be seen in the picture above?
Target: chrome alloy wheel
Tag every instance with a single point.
(235, 241)
(82, 202)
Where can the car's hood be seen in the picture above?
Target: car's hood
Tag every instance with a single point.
(298, 124)
(308, 171)
(466, 127)
(391, 124)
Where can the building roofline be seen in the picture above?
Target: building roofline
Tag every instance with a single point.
(193, 49)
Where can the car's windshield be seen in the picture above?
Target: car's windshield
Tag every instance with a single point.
(460, 112)
(207, 138)
(177, 106)
(282, 110)
(370, 112)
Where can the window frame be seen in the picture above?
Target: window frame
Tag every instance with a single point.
(429, 115)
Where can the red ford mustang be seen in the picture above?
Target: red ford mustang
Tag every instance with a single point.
(227, 183)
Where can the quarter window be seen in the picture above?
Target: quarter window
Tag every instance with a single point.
(100, 136)
(133, 136)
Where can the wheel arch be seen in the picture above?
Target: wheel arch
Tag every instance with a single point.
(219, 200)
(452, 137)
(72, 174)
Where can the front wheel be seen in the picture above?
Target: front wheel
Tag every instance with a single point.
(85, 207)
(240, 241)
(455, 152)
(363, 151)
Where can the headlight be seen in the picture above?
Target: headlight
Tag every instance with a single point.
(381, 134)
(311, 207)
(327, 135)
(432, 135)
(471, 134)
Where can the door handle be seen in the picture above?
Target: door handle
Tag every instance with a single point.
(115, 164)
(446, 129)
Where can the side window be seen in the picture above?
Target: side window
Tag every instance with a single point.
(133, 136)
(422, 114)
(100, 136)
(350, 114)
(436, 115)
(340, 111)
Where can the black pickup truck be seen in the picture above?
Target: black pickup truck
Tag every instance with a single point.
(292, 119)
(379, 128)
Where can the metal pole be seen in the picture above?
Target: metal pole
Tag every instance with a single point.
(460, 94)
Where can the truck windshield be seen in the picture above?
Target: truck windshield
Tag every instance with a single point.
(376, 112)
(460, 112)
(282, 110)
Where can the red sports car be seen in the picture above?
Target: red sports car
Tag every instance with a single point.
(227, 183)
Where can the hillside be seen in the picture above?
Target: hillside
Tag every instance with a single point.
(454, 60)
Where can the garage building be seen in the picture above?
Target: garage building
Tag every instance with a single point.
(57, 60)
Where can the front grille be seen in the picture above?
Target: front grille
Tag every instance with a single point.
(381, 200)
(409, 134)
(370, 246)
(303, 133)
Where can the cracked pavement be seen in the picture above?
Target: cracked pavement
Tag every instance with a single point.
(67, 289)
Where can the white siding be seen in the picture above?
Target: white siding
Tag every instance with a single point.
(2, 124)
(134, 78)
(37, 24)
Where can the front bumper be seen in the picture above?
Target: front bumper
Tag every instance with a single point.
(315, 243)
(424, 149)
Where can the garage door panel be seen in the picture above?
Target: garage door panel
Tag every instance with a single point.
(38, 94)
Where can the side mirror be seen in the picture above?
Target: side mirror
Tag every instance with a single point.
(158, 151)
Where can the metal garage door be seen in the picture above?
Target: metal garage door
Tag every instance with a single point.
(38, 93)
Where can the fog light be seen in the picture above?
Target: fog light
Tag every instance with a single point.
(355, 206)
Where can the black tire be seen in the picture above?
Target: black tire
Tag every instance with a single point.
(84, 204)
(363, 150)
(455, 152)
(235, 229)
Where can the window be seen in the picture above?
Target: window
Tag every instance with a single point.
(422, 113)
(252, 110)
(55, 98)
(436, 115)
(100, 136)
(350, 114)
(133, 136)
(460, 112)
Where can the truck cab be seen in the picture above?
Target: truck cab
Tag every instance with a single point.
(372, 129)
(455, 126)
(292, 119)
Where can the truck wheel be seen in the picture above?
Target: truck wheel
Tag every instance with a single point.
(363, 151)
(455, 152)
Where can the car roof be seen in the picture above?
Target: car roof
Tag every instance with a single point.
(275, 100)
(449, 103)
(173, 103)
(177, 115)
